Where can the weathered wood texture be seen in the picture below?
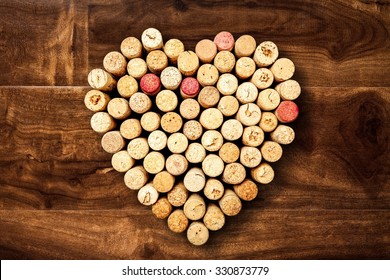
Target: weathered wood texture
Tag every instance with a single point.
(59, 198)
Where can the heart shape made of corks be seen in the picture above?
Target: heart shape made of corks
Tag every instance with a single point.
(194, 132)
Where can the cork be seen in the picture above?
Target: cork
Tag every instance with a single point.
(232, 130)
(268, 99)
(282, 69)
(268, 121)
(173, 48)
(194, 180)
(157, 140)
(150, 84)
(166, 100)
(213, 189)
(262, 78)
(189, 108)
(131, 47)
(224, 61)
(150, 121)
(271, 151)
(212, 140)
(102, 122)
(131, 128)
(263, 174)
(136, 177)
(213, 165)
(197, 233)
(211, 118)
(101, 80)
(283, 134)
(112, 142)
(171, 78)
(188, 63)
(162, 208)
(140, 103)
(118, 108)
(195, 153)
(247, 92)
(229, 152)
(163, 181)
(96, 101)
(287, 112)
(147, 195)
(156, 61)
(177, 221)
(137, 68)
(152, 39)
(228, 105)
(265, 54)
(206, 50)
(230, 203)
(189, 87)
(224, 41)
(154, 162)
(252, 136)
(227, 84)
(138, 148)
(250, 156)
(176, 164)
(234, 173)
(122, 161)
(214, 219)
(288, 90)
(177, 143)
(178, 195)
(193, 130)
(207, 75)
(247, 190)
(115, 63)
(127, 86)
(249, 114)
(171, 122)
(208, 97)
(245, 46)
(245, 67)
(195, 207)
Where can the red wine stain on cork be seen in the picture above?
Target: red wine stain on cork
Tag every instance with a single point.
(190, 86)
(150, 84)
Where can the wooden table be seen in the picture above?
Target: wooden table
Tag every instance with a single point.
(59, 198)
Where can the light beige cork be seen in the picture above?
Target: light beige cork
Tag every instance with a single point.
(211, 118)
(166, 100)
(228, 105)
(193, 130)
(229, 152)
(131, 47)
(127, 86)
(173, 48)
(122, 161)
(247, 190)
(271, 151)
(195, 153)
(152, 39)
(119, 108)
(115, 63)
(283, 69)
(208, 97)
(157, 140)
(177, 143)
(207, 75)
(224, 61)
(154, 162)
(250, 156)
(289, 90)
(150, 121)
(147, 195)
(96, 101)
(232, 130)
(140, 103)
(189, 108)
(102, 122)
(195, 207)
(137, 68)
(113, 142)
(178, 195)
(162, 208)
(163, 181)
(230, 203)
(188, 63)
(283, 134)
(213, 165)
(214, 219)
(268, 121)
(227, 84)
(171, 78)
(268, 99)
(265, 54)
(245, 45)
(176, 164)
(131, 128)
(262, 78)
(213, 189)
(206, 50)
(194, 180)
(177, 221)
(136, 177)
(101, 80)
(171, 122)
(197, 233)
(234, 173)
(249, 114)
(138, 148)
(212, 140)
(245, 67)
(263, 174)
(247, 92)
(156, 61)
(252, 136)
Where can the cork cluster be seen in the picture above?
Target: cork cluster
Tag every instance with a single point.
(194, 132)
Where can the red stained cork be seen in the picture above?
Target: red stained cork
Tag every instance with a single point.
(224, 41)
(287, 112)
(150, 84)
(190, 87)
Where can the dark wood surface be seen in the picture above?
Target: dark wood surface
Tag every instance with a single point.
(59, 198)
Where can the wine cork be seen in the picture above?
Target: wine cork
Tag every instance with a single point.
(245, 67)
(208, 97)
(207, 75)
(137, 68)
(229, 152)
(171, 78)
(136, 177)
(163, 181)
(288, 90)
(227, 84)
(152, 39)
(206, 50)
(189, 87)
(157, 61)
(282, 69)
(250, 156)
(150, 121)
(131, 128)
(247, 190)
(195, 153)
(265, 54)
(122, 161)
(171, 122)
(147, 195)
(228, 105)
(178, 195)
(166, 100)
(268, 121)
(214, 219)
(188, 63)
(287, 112)
(213, 165)
(96, 101)
(213, 189)
(232, 130)
(247, 92)
(177, 143)
(283, 134)
(189, 109)
(101, 80)
(162, 208)
(131, 47)
(197, 233)
(140, 103)
(192, 130)
(176, 164)
(234, 173)
(194, 180)
(271, 151)
(112, 142)
(138, 148)
(115, 63)
(102, 122)
(127, 86)
(263, 174)
(224, 41)
(211, 118)
(173, 48)
(269, 99)
(157, 140)
(224, 61)
(252, 136)
(154, 162)
(245, 46)
(177, 221)
(249, 114)
(230, 203)
(212, 140)
(262, 78)
(150, 84)
(195, 207)
(118, 108)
